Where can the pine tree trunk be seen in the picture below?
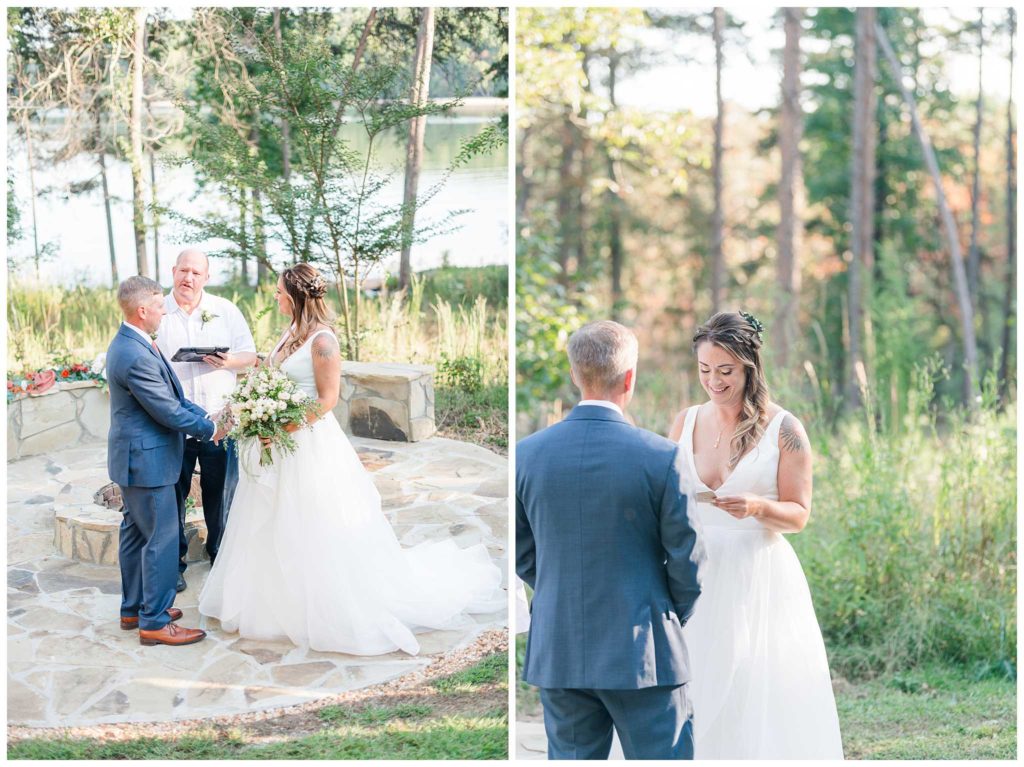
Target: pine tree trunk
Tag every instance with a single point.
(1010, 280)
(135, 129)
(286, 128)
(717, 216)
(417, 131)
(962, 294)
(565, 166)
(29, 148)
(259, 238)
(790, 181)
(861, 194)
(101, 157)
(156, 216)
(243, 238)
(973, 254)
(616, 251)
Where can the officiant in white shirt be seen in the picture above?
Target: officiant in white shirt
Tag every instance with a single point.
(195, 318)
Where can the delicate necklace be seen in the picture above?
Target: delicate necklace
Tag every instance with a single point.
(719, 440)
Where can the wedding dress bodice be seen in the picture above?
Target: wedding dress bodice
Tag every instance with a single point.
(299, 365)
(757, 472)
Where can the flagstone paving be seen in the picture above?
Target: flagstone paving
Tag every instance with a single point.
(68, 662)
(532, 743)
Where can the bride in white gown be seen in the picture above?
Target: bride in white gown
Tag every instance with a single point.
(760, 683)
(307, 554)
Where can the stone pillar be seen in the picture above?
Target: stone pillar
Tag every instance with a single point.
(387, 401)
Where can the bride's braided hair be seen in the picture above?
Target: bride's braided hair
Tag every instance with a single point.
(306, 287)
(741, 337)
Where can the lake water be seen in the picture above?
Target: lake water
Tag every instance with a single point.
(77, 226)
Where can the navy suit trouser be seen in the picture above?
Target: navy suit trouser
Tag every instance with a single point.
(218, 477)
(148, 550)
(653, 722)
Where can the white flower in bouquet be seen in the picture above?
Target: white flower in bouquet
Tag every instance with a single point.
(263, 404)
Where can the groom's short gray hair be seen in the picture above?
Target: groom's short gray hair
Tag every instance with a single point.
(135, 291)
(601, 353)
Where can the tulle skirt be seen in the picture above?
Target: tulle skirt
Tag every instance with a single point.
(760, 684)
(308, 556)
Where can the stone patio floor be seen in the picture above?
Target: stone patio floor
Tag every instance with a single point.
(532, 743)
(69, 663)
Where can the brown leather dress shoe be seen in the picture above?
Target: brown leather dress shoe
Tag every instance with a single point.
(171, 634)
(129, 624)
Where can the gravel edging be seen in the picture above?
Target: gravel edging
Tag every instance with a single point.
(488, 643)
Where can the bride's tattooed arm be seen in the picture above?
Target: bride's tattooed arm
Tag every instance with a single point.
(791, 435)
(789, 514)
(326, 372)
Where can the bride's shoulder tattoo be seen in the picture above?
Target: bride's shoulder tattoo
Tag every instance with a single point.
(325, 346)
(790, 435)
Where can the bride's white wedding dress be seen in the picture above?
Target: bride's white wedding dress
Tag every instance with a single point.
(760, 682)
(309, 556)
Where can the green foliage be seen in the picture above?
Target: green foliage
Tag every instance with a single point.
(460, 285)
(463, 373)
(911, 548)
(335, 210)
(14, 232)
(547, 312)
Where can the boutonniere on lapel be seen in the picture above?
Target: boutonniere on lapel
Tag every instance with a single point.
(207, 316)
(153, 336)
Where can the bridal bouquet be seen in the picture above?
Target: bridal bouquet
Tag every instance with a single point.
(262, 404)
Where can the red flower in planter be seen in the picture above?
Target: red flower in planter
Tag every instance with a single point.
(65, 373)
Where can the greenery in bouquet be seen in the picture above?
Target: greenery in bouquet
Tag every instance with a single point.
(264, 403)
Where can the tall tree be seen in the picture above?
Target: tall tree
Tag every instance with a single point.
(862, 178)
(417, 131)
(135, 129)
(101, 158)
(790, 182)
(962, 294)
(973, 253)
(616, 250)
(717, 216)
(286, 142)
(1008, 314)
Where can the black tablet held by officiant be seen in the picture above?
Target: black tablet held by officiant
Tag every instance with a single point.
(196, 353)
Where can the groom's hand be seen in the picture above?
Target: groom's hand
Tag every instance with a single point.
(219, 434)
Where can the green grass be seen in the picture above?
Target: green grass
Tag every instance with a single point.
(461, 716)
(372, 715)
(930, 713)
(936, 712)
(492, 670)
(453, 737)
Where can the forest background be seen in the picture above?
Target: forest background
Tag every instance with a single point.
(864, 208)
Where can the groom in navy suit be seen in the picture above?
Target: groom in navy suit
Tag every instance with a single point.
(604, 539)
(148, 415)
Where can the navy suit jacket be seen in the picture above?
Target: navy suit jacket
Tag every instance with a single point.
(148, 415)
(604, 539)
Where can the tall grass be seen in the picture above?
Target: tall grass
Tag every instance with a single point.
(46, 322)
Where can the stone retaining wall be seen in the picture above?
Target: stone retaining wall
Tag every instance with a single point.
(377, 400)
(60, 418)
